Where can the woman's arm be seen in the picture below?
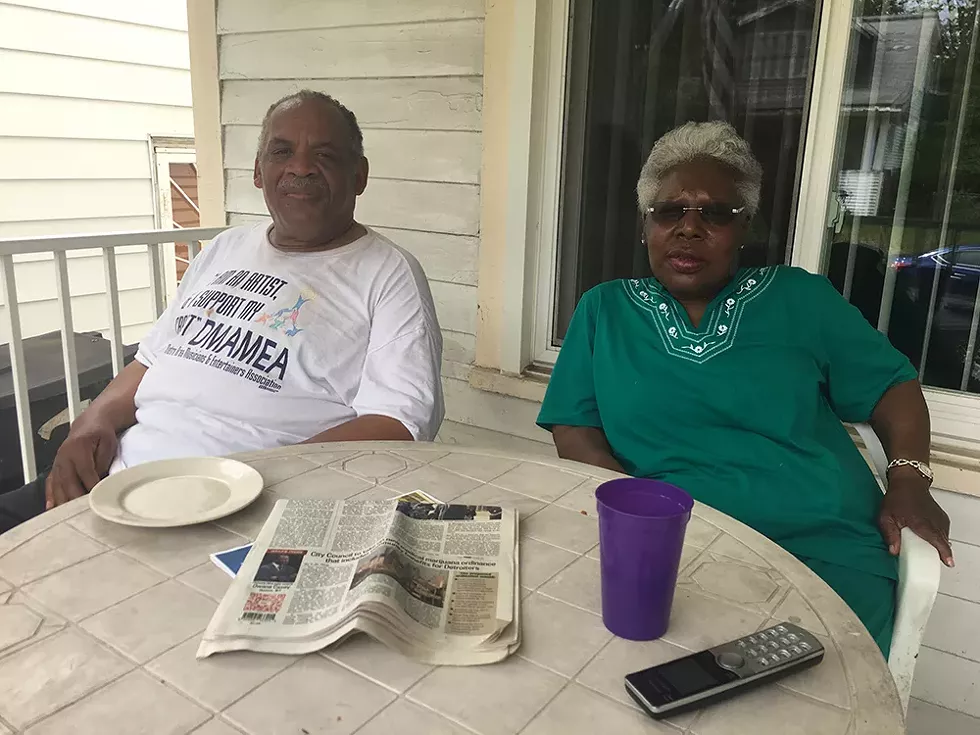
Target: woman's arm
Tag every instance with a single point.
(901, 421)
(585, 444)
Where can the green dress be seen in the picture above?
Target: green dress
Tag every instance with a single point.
(745, 412)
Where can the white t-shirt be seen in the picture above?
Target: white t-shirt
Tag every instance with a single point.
(261, 349)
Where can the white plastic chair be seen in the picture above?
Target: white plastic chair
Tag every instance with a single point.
(918, 582)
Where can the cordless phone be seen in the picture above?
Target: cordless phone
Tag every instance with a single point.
(717, 673)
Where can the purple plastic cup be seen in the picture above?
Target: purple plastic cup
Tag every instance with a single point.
(641, 534)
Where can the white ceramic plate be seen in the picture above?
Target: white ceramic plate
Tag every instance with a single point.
(176, 492)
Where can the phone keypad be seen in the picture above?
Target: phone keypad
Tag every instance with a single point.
(773, 646)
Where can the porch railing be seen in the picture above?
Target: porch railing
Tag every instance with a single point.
(59, 246)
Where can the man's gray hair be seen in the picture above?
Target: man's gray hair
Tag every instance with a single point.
(693, 141)
(311, 95)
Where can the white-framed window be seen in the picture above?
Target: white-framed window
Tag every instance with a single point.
(864, 113)
(173, 175)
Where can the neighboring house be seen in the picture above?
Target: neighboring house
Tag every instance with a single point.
(472, 140)
(84, 84)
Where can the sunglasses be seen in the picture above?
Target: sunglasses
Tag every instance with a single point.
(715, 215)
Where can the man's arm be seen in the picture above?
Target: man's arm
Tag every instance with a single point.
(86, 454)
(585, 444)
(364, 428)
(116, 405)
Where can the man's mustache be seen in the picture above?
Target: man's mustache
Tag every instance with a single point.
(301, 185)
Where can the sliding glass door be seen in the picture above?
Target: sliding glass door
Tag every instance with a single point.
(636, 69)
(902, 235)
(866, 117)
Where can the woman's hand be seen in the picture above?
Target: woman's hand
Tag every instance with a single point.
(908, 503)
(901, 421)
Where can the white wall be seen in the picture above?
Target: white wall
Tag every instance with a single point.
(412, 73)
(82, 86)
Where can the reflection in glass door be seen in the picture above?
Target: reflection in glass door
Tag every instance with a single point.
(903, 240)
(638, 68)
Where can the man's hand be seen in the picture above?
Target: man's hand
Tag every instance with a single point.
(82, 460)
(908, 502)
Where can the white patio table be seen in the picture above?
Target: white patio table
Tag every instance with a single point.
(99, 623)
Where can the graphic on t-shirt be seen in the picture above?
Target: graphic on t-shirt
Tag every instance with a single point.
(285, 319)
(242, 323)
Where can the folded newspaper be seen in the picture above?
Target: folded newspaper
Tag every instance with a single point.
(436, 582)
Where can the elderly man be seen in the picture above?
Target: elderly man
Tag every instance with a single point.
(311, 328)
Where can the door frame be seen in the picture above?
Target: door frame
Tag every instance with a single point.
(821, 133)
(163, 151)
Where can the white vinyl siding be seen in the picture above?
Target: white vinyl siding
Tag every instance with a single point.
(93, 81)
(412, 73)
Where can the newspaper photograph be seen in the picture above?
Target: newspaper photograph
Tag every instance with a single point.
(436, 581)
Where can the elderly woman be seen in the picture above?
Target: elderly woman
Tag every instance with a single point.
(733, 383)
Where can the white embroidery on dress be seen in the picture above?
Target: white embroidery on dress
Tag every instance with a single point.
(718, 334)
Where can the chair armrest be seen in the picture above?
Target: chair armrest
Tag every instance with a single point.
(919, 569)
(919, 572)
(875, 450)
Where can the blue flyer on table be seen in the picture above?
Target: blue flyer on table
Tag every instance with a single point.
(231, 561)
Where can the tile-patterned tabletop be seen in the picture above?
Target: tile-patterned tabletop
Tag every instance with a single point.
(99, 623)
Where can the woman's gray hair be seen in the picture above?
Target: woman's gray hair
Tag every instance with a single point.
(694, 141)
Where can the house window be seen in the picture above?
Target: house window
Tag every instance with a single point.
(903, 243)
(637, 69)
(174, 179)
